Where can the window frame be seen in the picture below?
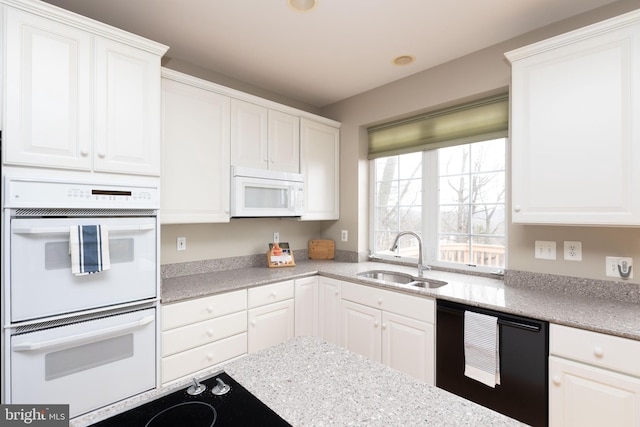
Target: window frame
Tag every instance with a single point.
(429, 220)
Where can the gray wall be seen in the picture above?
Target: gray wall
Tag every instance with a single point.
(481, 73)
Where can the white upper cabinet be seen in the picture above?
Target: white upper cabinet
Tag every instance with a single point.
(195, 151)
(263, 138)
(575, 127)
(320, 164)
(75, 98)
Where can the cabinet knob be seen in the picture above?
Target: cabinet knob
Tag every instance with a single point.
(380, 300)
(209, 309)
(376, 324)
(273, 294)
(517, 208)
(337, 293)
(556, 379)
(598, 351)
(102, 154)
(84, 152)
(253, 323)
(384, 326)
(209, 357)
(210, 332)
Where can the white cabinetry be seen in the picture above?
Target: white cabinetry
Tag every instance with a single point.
(320, 164)
(79, 95)
(201, 333)
(306, 306)
(594, 379)
(195, 151)
(271, 315)
(317, 308)
(575, 126)
(393, 328)
(263, 138)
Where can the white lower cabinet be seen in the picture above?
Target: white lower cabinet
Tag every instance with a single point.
(594, 379)
(201, 333)
(317, 308)
(270, 315)
(373, 326)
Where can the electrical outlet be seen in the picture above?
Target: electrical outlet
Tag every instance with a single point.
(619, 267)
(344, 235)
(545, 250)
(181, 243)
(572, 251)
(276, 237)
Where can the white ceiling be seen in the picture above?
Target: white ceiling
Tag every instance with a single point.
(339, 49)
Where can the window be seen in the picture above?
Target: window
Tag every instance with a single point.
(454, 197)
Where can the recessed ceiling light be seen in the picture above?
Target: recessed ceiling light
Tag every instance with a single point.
(403, 60)
(302, 5)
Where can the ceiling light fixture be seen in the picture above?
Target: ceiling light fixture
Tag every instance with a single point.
(302, 5)
(403, 60)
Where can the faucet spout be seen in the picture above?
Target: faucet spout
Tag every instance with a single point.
(421, 266)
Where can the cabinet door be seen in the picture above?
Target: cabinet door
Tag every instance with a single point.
(270, 325)
(48, 93)
(575, 128)
(408, 346)
(127, 109)
(306, 306)
(284, 142)
(329, 296)
(582, 395)
(195, 154)
(320, 164)
(361, 330)
(249, 136)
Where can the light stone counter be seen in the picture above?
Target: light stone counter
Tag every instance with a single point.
(309, 382)
(600, 306)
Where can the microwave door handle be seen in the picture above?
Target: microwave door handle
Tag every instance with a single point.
(84, 338)
(60, 230)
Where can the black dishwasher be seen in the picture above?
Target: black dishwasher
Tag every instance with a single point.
(523, 353)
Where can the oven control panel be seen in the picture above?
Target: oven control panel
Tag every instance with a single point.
(27, 193)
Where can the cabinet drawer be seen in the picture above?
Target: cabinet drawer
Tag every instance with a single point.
(199, 358)
(197, 310)
(407, 305)
(620, 354)
(268, 294)
(197, 334)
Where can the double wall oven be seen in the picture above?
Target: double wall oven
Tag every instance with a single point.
(86, 340)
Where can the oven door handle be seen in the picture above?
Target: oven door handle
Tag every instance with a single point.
(61, 230)
(84, 338)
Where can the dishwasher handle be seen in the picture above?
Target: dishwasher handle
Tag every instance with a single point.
(504, 322)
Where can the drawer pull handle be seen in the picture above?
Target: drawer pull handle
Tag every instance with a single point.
(556, 379)
(598, 351)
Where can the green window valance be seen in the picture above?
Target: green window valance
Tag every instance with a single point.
(476, 121)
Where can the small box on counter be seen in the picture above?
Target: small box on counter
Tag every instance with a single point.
(280, 255)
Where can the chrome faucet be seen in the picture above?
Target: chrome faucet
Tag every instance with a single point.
(421, 266)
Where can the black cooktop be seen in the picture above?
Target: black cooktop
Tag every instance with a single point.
(218, 401)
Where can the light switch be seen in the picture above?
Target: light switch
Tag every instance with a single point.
(545, 250)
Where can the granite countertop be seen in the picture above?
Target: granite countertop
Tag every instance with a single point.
(310, 382)
(588, 312)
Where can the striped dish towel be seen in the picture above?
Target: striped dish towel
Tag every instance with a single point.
(481, 348)
(89, 249)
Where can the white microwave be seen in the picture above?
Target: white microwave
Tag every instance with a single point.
(257, 193)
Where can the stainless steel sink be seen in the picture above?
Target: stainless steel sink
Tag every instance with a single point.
(401, 279)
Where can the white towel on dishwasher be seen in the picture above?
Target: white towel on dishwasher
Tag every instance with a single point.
(481, 348)
(89, 249)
